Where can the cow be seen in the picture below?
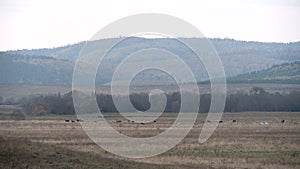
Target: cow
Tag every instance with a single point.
(283, 121)
(215, 121)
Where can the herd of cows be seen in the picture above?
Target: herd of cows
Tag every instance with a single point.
(209, 121)
(73, 121)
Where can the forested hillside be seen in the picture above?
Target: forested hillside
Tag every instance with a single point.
(24, 69)
(283, 73)
(55, 65)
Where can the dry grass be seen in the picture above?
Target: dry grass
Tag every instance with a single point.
(245, 144)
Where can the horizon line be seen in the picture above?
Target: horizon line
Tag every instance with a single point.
(141, 37)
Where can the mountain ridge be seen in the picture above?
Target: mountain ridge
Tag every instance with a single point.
(75, 48)
(238, 57)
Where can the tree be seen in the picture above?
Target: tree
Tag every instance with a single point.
(17, 115)
(257, 90)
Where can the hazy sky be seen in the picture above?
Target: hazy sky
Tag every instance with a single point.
(48, 23)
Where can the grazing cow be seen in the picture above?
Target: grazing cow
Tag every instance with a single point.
(283, 121)
(215, 121)
(118, 121)
(142, 123)
(73, 121)
(233, 121)
(67, 120)
(154, 121)
(79, 120)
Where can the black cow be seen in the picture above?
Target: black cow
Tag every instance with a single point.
(283, 121)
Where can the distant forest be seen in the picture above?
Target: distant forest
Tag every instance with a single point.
(251, 62)
(257, 99)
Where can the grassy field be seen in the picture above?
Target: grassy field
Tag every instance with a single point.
(50, 142)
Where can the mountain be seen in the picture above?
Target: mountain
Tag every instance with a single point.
(282, 73)
(55, 65)
(224, 47)
(24, 69)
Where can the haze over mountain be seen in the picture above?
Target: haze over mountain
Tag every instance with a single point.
(54, 66)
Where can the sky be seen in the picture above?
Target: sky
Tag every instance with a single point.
(31, 24)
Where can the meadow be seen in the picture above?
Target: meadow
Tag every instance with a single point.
(51, 142)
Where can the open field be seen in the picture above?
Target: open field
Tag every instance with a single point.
(244, 144)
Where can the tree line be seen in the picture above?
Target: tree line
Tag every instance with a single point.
(257, 99)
